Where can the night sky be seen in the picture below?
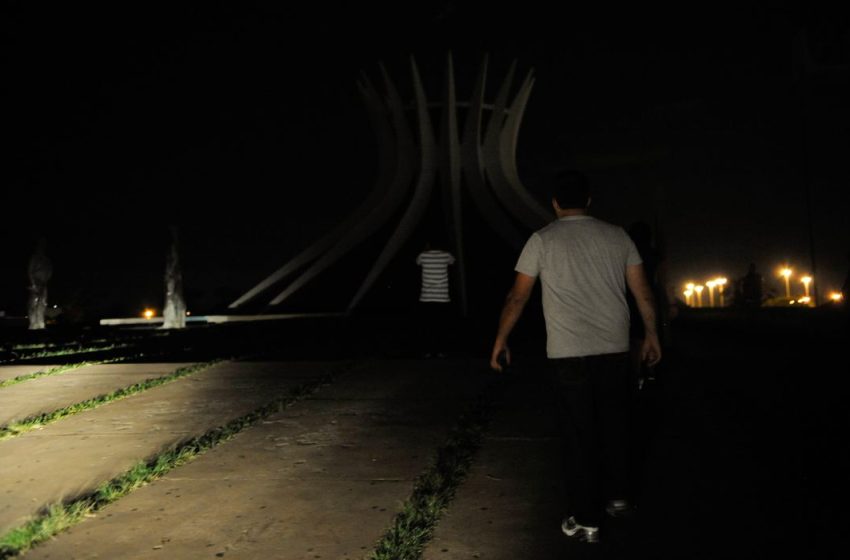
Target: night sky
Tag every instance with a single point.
(241, 122)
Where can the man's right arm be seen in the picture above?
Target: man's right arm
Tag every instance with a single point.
(511, 311)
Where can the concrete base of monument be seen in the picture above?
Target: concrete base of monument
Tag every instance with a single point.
(217, 318)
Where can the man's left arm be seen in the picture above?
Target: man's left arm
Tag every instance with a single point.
(639, 286)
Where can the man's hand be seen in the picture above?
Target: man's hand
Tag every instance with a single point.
(650, 351)
(498, 348)
(514, 304)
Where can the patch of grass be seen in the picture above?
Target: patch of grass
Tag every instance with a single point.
(58, 517)
(435, 488)
(32, 422)
(67, 352)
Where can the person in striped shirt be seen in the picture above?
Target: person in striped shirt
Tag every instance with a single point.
(435, 298)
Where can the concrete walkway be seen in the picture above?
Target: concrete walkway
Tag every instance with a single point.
(46, 394)
(11, 372)
(74, 455)
(322, 479)
(742, 443)
(511, 503)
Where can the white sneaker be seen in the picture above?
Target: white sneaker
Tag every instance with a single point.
(582, 533)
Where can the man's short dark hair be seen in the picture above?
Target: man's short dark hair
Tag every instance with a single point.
(570, 189)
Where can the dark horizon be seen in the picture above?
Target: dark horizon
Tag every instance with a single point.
(711, 126)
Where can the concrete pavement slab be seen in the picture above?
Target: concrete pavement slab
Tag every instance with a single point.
(46, 394)
(74, 455)
(11, 372)
(322, 479)
(511, 503)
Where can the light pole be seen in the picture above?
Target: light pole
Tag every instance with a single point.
(688, 294)
(786, 272)
(711, 284)
(720, 283)
(698, 289)
(806, 280)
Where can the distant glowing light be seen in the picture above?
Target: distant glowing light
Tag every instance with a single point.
(148, 314)
(805, 299)
(188, 313)
(836, 296)
(711, 284)
(786, 273)
(720, 282)
(698, 289)
(806, 280)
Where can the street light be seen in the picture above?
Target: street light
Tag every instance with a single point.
(806, 280)
(689, 292)
(711, 284)
(720, 283)
(836, 296)
(148, 314)
(786, 272)
(698, 289)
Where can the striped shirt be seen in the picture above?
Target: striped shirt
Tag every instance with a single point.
(435, 275)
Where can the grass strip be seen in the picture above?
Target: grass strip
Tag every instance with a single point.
(59, 517)
(435, 488)
(67, 352)
(63, 368)
(32, 422)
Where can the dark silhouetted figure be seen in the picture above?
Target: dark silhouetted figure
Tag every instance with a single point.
(40, 270)
(751, 288)
(435, 302)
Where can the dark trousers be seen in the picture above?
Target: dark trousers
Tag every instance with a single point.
(595, 406)
(436, 323)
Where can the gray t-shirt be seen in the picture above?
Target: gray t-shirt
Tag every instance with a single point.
(582, 263)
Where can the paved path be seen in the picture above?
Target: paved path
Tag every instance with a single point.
(742, 457)
(74, 455)
(322, 479)
(11, 372)
(46, 394)
(511, 504)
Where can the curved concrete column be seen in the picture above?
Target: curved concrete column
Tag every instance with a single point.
(473, 168)
(508, 195)
(380, 211)
(450, 169)
(387, 164)
(421, 194)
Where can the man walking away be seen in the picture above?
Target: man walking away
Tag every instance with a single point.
(585, 266)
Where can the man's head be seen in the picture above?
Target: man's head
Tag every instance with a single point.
(570, 191)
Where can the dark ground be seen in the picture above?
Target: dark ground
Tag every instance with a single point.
(742, 447)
